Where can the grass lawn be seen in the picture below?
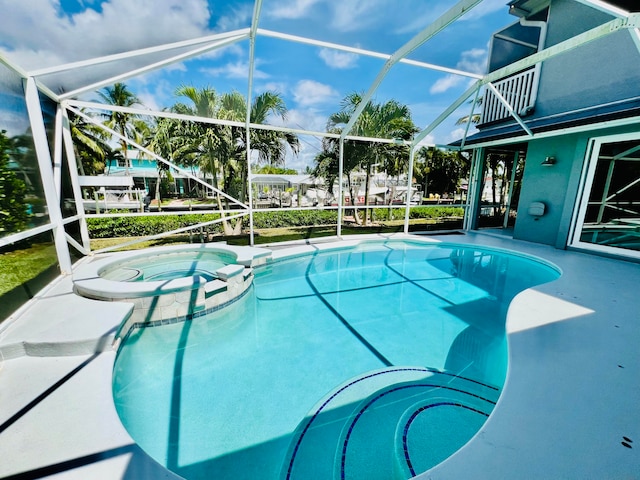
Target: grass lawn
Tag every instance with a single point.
(21, 265)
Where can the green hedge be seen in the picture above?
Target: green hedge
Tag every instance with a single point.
(383, 214)
(299, 218)
(113, 227)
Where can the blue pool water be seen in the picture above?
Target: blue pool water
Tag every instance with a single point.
(375, 361)
(168, 266)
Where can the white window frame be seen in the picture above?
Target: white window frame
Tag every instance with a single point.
(586, 183)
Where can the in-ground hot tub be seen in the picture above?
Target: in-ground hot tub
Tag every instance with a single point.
(170, 284)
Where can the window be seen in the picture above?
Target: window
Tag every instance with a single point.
(124, 163)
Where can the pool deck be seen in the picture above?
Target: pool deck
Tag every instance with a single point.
(570, 408)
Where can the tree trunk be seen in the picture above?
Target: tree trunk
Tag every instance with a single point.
(367, 214)
(225, 223)
(158, 199)
(356, 216)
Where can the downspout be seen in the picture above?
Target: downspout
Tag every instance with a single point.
(538, 67)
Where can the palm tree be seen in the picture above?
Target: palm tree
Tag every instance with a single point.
(440, 171)
(90, 143)
(126, 124)
(475, 118)
(388, 120)
(270, 145)
(221, 149)
(201, 144)
(13, 191)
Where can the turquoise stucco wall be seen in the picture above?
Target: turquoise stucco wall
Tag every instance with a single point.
(600, 72)
(549, 185)
(557, 186)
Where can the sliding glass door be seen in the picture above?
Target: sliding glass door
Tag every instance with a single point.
(608, 216)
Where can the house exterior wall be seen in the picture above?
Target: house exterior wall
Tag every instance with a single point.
(600, 72)
(557, 186)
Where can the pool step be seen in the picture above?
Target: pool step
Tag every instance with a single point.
(376, 425)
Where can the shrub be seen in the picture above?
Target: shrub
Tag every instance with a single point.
(298, 218)
(110, 227)
(417, 212)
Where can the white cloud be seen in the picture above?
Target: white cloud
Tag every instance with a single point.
(427, 141)
(309, 148)
(239, 17)
(418, 21)
(337, 59)
(14, 122)
(306, 119)
(156, 94)
(352, 15)
(239, 69)
(445, 83)
(472, 61)
(37, 33)
(278, 87)
(309, 119)
(458, 133)
(291, 9)
(310, 92)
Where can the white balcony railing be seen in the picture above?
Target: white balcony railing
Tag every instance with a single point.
(518, 90)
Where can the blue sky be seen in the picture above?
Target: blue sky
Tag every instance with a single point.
(312, 80)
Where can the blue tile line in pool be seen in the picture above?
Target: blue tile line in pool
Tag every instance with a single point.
(364, 377)
(183, 318)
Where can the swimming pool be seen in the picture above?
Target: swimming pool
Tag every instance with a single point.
(378, 360)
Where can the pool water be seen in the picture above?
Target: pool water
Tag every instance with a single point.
(168, 266)
(375, 361)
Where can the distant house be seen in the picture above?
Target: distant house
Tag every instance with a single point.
(569, 138)
(144, 172)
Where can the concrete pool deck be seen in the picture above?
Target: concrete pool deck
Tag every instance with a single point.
(570, 404)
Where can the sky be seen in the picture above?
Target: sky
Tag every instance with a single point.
(311, 79)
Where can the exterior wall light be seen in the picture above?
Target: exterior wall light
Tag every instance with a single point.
(549, 162)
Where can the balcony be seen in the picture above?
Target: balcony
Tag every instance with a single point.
(518, 90)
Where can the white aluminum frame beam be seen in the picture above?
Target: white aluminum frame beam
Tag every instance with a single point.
(470, 118)
(574, 42)
(154, 66)
(257, 7)
(156, 156)
(363, 52)
(412, 156)
(43, 155)
(473, 190)
(73, 173)
(630, 22)
(511, 111)
(217, 121)
(136, 53)
(605, 7)
(340, 190)
(444, 115)
(450, 16)
(22, 73)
